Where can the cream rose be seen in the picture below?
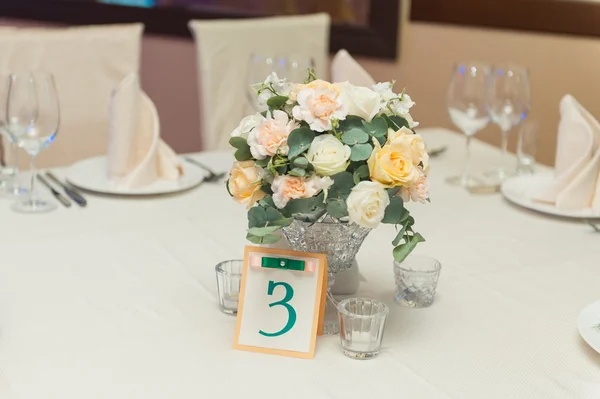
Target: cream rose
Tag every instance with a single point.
(244, 183)
(391, 165)
(247, 124)
(361, 101)
(287, 187)
(413, 145)
(270, 136)
(328, 155)
(319, 106)
(418, 192)
(366, 204)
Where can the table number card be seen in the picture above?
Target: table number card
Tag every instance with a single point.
(282, 302)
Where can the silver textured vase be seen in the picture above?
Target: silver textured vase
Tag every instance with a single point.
(340, 241)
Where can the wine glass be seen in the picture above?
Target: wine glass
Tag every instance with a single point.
(508, 103)
(9, 170)
(467, 107)
(297, 67)
(33, 117)
(259, 68)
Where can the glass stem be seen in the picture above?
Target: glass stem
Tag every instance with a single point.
(14, 154)
(467, 173)
(503, 156)
(33, 176)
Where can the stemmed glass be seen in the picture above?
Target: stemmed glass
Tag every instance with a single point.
(9, 171)
(259, 67)
(468, 109)
(509, 100)
(33, 117)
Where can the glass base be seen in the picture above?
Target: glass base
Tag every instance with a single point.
(360, 355)
(463, 181)
(231, 312)
(499, 174)
(33, 206)
(331, 321)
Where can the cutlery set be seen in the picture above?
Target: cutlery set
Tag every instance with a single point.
(68, 190)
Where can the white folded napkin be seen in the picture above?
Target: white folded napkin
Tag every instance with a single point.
(344, 68)
(577, 172)
(136, 155)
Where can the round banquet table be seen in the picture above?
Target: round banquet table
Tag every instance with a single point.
(118, 301)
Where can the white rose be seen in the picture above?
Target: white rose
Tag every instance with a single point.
(328, 155)
(247, 124)
(366, 204)
(361, 101)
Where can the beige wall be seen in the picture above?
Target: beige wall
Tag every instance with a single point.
(558, 65)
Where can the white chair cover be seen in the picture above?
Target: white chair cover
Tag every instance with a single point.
(88, 63)
(224, 47)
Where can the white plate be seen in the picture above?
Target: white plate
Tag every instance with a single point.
(587, 321)
(521, 189)
(91, 175)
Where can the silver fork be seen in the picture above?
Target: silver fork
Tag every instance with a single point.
(212, 176)
(592, 225)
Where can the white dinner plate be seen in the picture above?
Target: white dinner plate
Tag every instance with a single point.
(521, 189)
(91, 175)
(587, 323)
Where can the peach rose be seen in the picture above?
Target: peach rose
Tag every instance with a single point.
(287, 187)
(270, 136)
(413, 145)
(418, 192)
(244, 183)
(319, 106)
(392, 166)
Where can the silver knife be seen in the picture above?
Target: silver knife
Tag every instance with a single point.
(74, 195)
(56, 194)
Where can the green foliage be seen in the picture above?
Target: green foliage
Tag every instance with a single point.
(355, 136)
(305, 206)
(242, 152)
(360, 173)
(337, 208)
(378, 127)
(311, 76)
(297, 172)
(300, 162)
(395, 213)
(396, 122)
(351, 122)
(263, 231)
(392, 191)
(267, 239)
(262, 162)
(342, 185)
(403, 250)
(361, 152)
(277, 102)
(299, 141)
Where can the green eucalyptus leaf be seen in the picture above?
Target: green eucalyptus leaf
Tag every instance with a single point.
(403, 250)
(276, 218)
(360, 173)
(399, 121)
(300, 162)
(262, 162)
(337, 208)
(257, 217)
(303, 205)
(299, 141)
(401, 233)
(242, 152)
(277, 102)
(266, 188)
(267, 202)
(392, 191)
(361, 152)
(355, 136)
(377, 127)
(342, 185)
(268, 239)
(351, 122)
(298, 172)
(395, 213)
(263, 231)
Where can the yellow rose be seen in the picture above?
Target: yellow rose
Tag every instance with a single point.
(244, 183)
(413, 144)
(392, 166)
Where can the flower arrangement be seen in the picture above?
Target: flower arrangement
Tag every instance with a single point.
(329, 148)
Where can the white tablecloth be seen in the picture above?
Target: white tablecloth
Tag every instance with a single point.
(118, 301)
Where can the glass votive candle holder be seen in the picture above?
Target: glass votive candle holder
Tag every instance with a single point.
(416, 280)
(362, 321)
(229, 280)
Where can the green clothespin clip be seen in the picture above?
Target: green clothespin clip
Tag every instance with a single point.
(283, 264)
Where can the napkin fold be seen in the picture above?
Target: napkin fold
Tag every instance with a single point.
(344, 68)
(137, 156)
(576, 184)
